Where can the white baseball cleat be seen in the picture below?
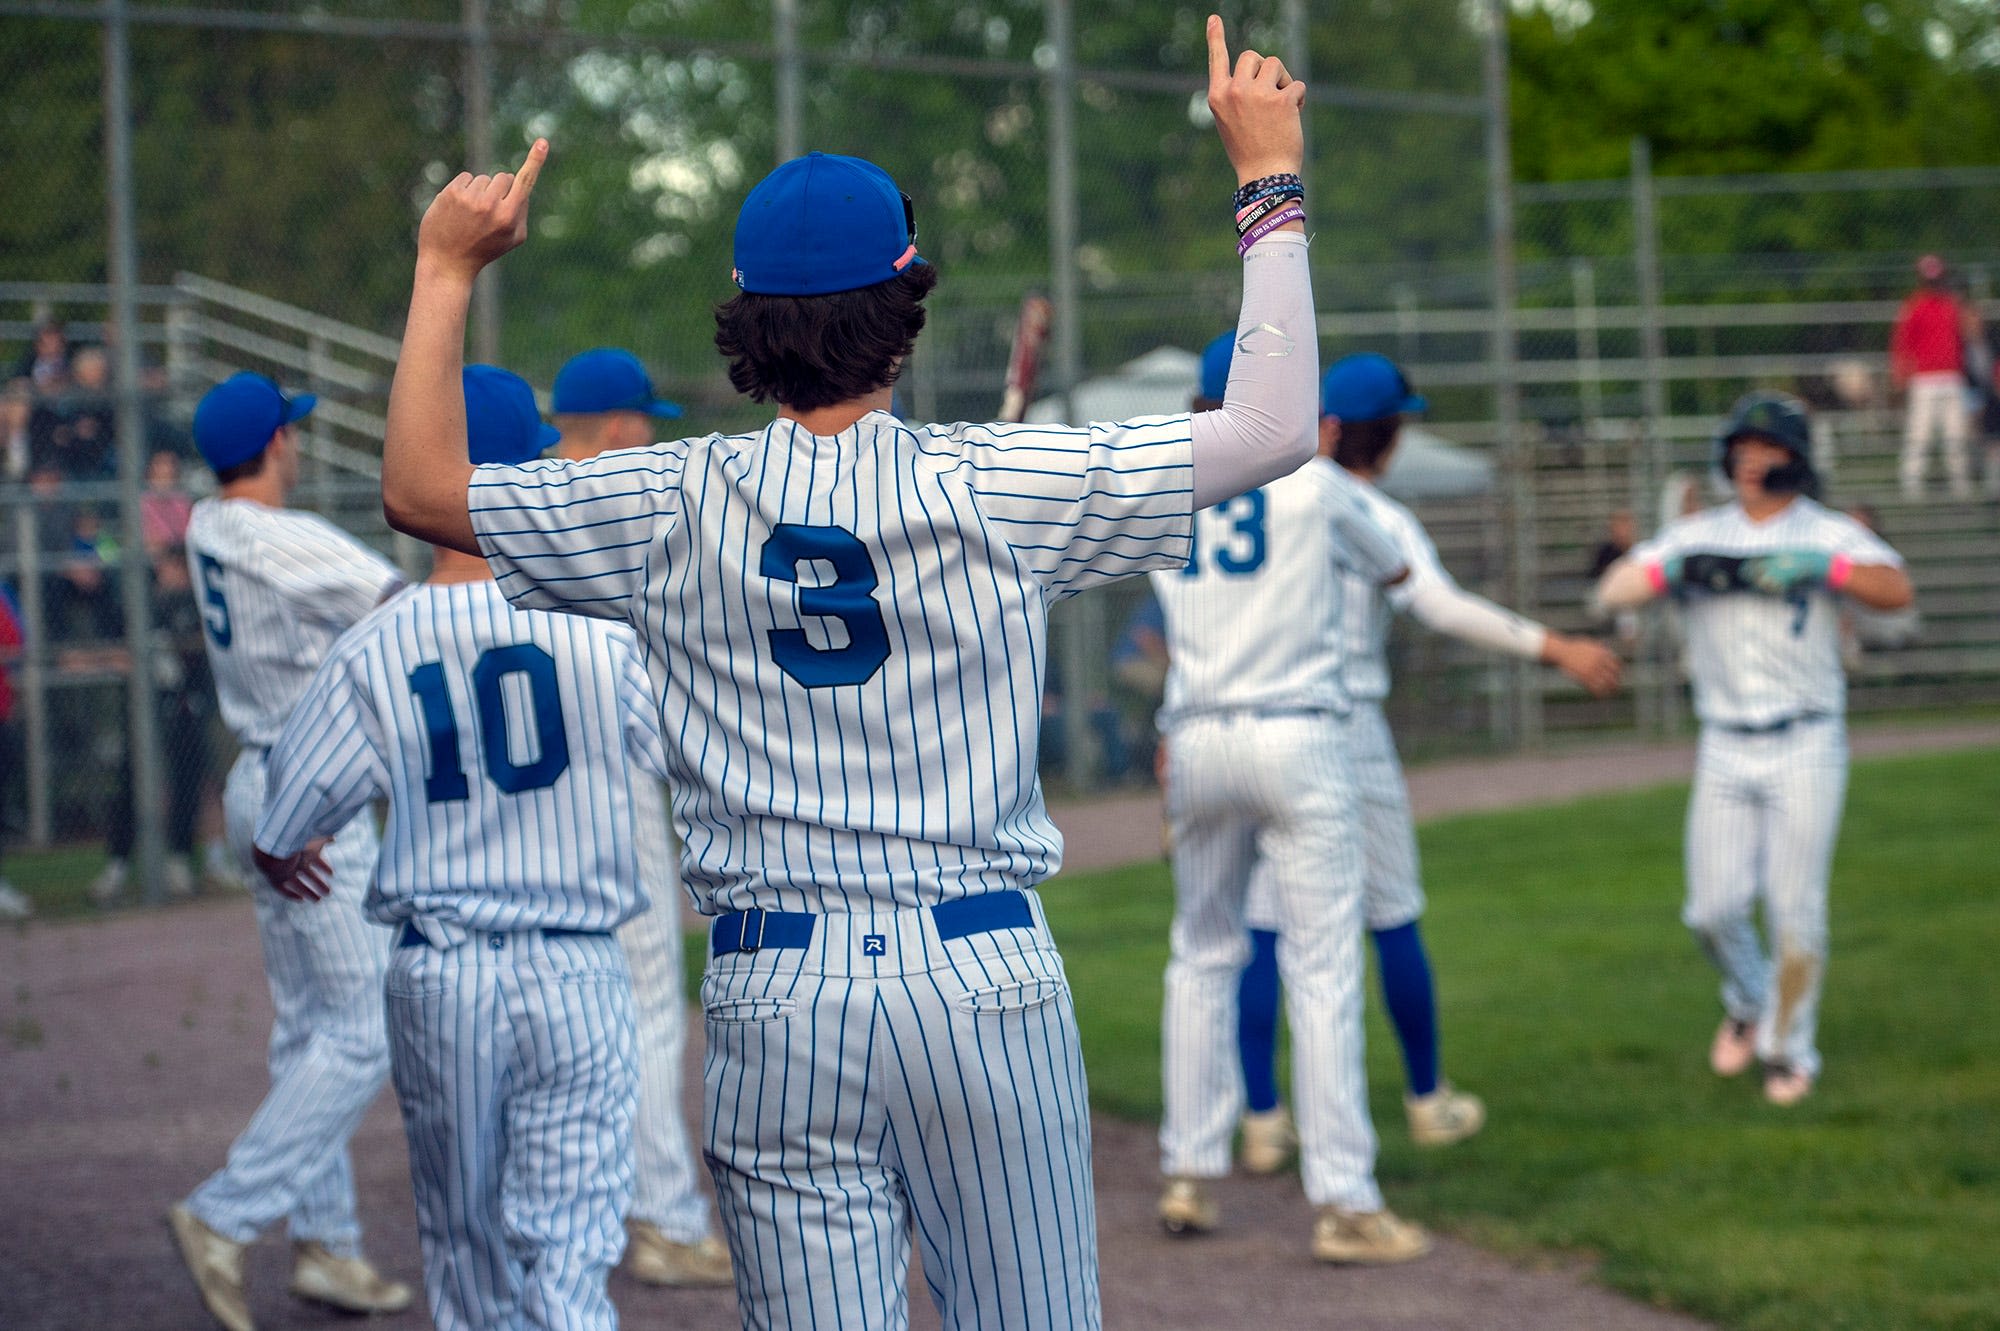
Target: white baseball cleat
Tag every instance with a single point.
(1786, 1086)
(216, 1263)
(652, 1258)
(177, 878)
(1269, 1139)
(1367, 1238)
(1444, 1116)
(347, 1283)
(109, 885)
(14, 904)
(1186, 1207)
(1734, 1048)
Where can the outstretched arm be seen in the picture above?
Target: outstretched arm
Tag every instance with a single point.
(425, 471)
(1447, 608)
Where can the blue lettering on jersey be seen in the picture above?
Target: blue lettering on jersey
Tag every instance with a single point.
(849, 598)
(1240, 557)
(446, 780)
(214, 610)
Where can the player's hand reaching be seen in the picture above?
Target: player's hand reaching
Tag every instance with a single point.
(1256, 106)
(1585, 660)
(476, 219)
(305, 876)
(1778, 573)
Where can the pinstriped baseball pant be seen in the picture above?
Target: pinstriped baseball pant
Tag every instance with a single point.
(1762, 821)
(328, 1052)
(1243, 790)
(664, 1188)
(513, 1057)
(880, 1080)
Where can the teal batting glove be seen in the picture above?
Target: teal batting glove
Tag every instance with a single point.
(1781, 572)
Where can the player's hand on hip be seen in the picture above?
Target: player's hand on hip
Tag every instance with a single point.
(305, 876)
(476, 219)
(1256, 105)
(1587, 661)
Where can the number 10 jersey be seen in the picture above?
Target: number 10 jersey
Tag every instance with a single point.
(845, 634)
(503, 740)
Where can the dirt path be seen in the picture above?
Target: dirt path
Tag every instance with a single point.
(131, 1051)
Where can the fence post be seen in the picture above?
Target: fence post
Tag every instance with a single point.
(142, 740)
(479, 152)
(785, 40)
(322, 433)
(1516, 459)
(1659, 651)
(34, 670)
(1082, 654)
(1298, 63)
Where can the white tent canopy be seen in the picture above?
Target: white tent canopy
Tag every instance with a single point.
(1164, 381)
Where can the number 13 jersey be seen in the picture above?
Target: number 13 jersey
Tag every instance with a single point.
(845, 634)
(1253, 615)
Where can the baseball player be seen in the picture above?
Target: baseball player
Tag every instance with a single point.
(1363, 400)
(1757, 580)
(1257, 779)
(604, 400)
(276, 587)
(500, 738)
(845, 619)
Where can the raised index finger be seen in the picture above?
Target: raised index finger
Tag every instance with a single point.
(1218, 53)
(524, 179)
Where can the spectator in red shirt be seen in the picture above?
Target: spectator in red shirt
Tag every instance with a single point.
(13, 904)
(1927, 361)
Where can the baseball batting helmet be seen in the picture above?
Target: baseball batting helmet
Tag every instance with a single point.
(1777, 418)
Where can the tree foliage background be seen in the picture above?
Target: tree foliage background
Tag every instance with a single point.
(298, 165)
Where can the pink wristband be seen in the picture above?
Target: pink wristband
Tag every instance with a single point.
(1838, 570)
(1656, 577)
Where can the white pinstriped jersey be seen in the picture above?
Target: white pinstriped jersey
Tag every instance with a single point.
(277, 586)
(1368, 606)
(501, 739)
(846, 633)
(1252, 615)
(1758, 659)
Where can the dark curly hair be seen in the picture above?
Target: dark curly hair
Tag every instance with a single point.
(1362, 443)
(813, 351)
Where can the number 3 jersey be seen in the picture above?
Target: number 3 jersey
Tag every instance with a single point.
(1253, 615)
(503, 740)
(845, 633)
(275, 587)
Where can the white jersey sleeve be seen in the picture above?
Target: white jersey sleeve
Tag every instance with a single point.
(1080, 505)
(639, 706)
(567, 535)
(326, 765)
(327, 574)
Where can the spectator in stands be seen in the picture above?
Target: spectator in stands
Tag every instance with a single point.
(14, 905)
(45, 363)
(76, 429)
(1139, 663)
(165, 508)
(1927, 362)
(182, 694)
(17, 408)
(79, 600)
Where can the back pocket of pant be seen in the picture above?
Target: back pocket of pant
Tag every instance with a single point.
(749, 1011)
(1016, 996)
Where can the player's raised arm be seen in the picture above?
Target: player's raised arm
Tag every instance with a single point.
(1266, 425)
(473, 221)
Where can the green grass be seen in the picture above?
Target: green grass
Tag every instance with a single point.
(1572, 1000)
(56, 880)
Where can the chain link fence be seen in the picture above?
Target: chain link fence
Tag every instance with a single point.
(280, 155)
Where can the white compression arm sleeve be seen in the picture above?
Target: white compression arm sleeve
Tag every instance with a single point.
(1268, 424)
(1447, 608)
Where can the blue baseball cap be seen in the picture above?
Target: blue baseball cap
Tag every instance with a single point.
(1366, 387)
(823, 223)
(502, 423)
(1215, 360)
(235, 419)
(607, 379)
